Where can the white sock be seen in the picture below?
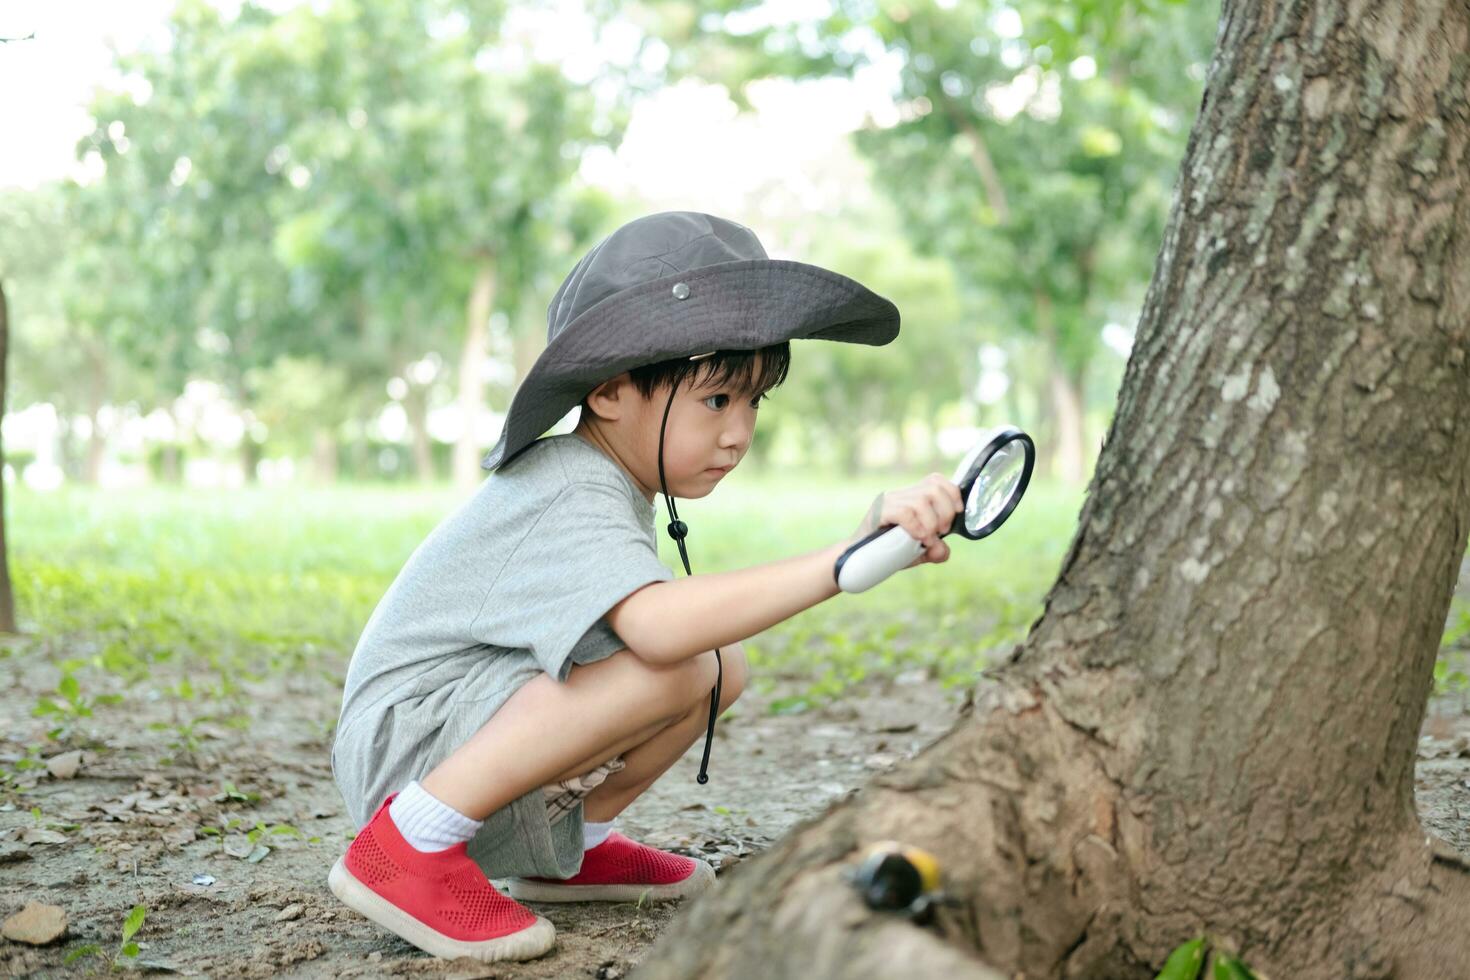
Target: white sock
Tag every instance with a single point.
(594, 833)
(428, 823)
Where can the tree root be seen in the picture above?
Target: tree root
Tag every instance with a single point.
(1052, 864)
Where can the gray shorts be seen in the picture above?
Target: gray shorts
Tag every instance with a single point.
(379, 752)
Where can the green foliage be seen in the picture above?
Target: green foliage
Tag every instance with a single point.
(1035, 146)
(294, 205)
(1452, 669)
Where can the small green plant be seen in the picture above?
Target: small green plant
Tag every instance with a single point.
(1187, 961)
(185, 740)
(31, 760)
(278, 830)
(70, 704)
(127, 948)
(228, 791)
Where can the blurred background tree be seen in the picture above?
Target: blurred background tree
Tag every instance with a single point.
(1035, 149)
(327, 233)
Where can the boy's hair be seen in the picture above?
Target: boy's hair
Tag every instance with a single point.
(726, 367)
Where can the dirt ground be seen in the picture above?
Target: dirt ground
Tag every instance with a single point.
(126, 828)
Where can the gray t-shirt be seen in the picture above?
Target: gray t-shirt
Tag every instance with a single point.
(515, 581)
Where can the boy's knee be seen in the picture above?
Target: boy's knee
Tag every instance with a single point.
(737, 671)
(681, 687)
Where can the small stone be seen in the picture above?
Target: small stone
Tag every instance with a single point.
(36, 924)
(65, 765)
(292, 911)
(238, 846)
(375, 956)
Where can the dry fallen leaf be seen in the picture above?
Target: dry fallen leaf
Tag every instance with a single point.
(178, 836)
(36, 924)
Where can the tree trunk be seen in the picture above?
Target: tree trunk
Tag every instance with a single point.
(249, 457)
(170, 468)
(7, 598)
(1064, 387)
(324, 456)
(96, 399)
(1212, 726)
(527, 345)
(416, 407)
(468, 450)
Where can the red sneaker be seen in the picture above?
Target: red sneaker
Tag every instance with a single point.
(619, 870)
(438, 900)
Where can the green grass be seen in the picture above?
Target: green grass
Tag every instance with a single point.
(190, 594)
(248, 581)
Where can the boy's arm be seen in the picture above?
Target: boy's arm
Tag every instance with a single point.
(667, 622)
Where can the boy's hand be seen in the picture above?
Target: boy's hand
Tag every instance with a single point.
(924, 510)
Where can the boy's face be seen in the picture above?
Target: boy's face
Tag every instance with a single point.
(709, 426)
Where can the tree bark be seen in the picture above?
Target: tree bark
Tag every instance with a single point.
(1212, 726)
(7, 598)
(1064, 389)
(467, 451)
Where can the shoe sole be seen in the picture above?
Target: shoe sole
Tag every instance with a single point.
(700, 879)
(528, 943)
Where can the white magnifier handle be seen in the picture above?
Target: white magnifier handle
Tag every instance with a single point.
(872, 560)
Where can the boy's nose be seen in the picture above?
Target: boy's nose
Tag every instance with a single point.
(737, 435)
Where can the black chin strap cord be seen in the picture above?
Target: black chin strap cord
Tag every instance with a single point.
(678, 530)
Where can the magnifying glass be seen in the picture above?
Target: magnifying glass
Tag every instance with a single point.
(992, 477)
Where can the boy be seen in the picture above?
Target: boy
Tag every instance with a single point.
(534, 667)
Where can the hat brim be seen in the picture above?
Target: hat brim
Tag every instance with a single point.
(740, 305)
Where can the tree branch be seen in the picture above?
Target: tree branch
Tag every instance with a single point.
(980, 156)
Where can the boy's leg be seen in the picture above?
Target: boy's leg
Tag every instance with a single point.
(547, 730)
(646, 762)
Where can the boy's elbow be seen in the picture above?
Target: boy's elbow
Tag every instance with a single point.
(632, 620)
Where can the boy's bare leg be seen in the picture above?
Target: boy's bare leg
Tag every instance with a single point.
(547, 730)
(650, 760)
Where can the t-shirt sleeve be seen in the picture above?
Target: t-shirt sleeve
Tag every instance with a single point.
(586, 552)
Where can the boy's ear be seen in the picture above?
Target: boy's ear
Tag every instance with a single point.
(610, 399)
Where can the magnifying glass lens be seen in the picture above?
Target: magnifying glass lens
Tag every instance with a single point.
(995, 485)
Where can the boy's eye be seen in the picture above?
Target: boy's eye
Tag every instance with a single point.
(755, 403)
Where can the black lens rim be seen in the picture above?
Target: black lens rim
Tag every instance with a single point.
(1005, 436)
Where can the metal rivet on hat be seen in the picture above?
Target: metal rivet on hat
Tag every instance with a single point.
(681, 290)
